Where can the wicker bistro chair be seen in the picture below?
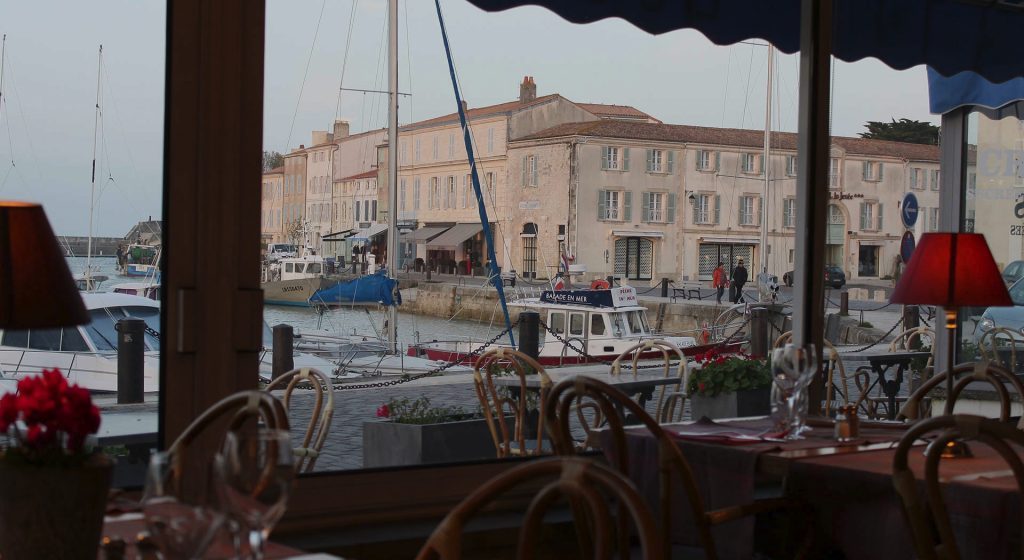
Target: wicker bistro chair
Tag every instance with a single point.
(673, 467)
(833, 368)
(931, 519)
(963, 374)
(320, 418)
(498, 402)
(992, 341)
(671, 399)
(593, 490)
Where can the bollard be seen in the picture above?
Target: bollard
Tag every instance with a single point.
(664, 287)
(844, 303)
(912, 319)
(529, 333)
(611, 281)
(131, 347)
(284, 345)
(759, 332)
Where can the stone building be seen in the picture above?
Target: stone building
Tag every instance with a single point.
(293, 199)
(273, 189)
(319, 187)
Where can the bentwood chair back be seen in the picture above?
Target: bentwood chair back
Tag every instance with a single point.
(320, 417)
(500, 402)
(671, 398)
(672, 465)
(930, 518)
(832, 368)
(984, 371)
(996, 339)
(587, 484)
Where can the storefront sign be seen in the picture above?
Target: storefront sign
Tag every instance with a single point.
(907, 245)
(909, 210)
(839, 195)
(529, 205)
(616, 297)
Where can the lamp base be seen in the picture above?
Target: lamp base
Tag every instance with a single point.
(956, 449)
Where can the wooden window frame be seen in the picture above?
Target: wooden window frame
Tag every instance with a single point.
(211, 292)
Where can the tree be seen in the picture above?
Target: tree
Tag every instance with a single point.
(903, 130)
(272, 160)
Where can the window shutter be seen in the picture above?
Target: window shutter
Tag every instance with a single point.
(604, 157)
(760, 165)
(645, 208)
(625, 159)
(718, 161)
(700, 156)
(863, 216)
(880, 222)
(602, 211)
(627, 206)
(536, 165)
(696, 211)
(718, 208)
(465, 192)
(740, 208)
(670, 207)
(671, 161)
(881, 171)
(650, 159)
(524, 171)
(866, 166)
(759, 211)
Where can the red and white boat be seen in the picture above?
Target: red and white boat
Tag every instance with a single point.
(603, 323)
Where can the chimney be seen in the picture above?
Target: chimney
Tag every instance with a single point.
(340, 129)
(527, 90)
(465, 106)
(320, 137)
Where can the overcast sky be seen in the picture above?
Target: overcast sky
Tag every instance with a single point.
(46, 120)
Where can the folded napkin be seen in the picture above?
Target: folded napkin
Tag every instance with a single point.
(710, 431)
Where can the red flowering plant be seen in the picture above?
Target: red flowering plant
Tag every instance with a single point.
(718, 372)
(48, 420)
(419, 411)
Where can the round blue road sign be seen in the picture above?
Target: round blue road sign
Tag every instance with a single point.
(907, 245)
(909, 210)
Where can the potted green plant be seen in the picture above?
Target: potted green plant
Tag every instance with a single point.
(53, 481)
(729, 386)
(413, 432)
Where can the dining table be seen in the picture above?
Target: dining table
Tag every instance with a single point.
(847, 486)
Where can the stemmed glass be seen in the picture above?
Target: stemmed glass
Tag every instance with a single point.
(254, 472)
(793, 368)
(182, 524)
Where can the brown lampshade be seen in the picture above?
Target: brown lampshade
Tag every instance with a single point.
(952, 270)
(36, 287)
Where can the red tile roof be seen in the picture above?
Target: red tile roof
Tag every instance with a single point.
(372, 174)
(619, 111)
(275, 171)
(733, 137)
(479, 112)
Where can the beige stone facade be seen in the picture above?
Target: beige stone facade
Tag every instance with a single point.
(319, 207)
(293, 201)
(273, 191)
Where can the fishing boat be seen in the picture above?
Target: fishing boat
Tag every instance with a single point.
(595, 325)
(141, 261)
(292, 281)
(142, 289)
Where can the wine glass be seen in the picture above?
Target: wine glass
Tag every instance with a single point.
(254, 472)
(793, 368)
(182, 525)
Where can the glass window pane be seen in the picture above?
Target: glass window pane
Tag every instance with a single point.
(44, 339)
(72, 340)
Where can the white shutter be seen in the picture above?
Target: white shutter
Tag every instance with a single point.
(718, 208)
(604, 157)
(625, 159)
(645, 209)
(524, 171)
(670, 207)
(602, 210)
(536, 164)
(627, 206)
(671, 162)
(880, 222)
(650, 159)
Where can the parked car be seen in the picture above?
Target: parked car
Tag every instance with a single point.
(1009, 318)
(834, 277)
(1013, 272)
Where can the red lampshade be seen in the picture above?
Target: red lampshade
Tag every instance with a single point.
(36, 288)
(952, 270)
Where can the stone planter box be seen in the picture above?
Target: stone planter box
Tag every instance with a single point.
(387, 444)
(756, 402)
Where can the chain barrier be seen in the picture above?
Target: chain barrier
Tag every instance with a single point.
(834, 304)
(869, 346)
(153, 332)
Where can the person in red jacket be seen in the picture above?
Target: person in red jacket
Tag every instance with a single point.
(718, 281)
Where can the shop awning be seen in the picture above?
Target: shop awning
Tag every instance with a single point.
(339, 235)
(732, 240)
(454, 237)
(637, 233)
(951, 36)
(423, 234)
(366, 234)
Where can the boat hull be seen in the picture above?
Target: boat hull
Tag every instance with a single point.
(292, 292)
(432, 352)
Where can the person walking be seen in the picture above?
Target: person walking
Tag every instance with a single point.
(718, 281)
(739, 278)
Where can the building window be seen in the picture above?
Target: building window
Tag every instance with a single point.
(449, 201)
(451, 145)
(706, 209)
(634, 258)
(490, 182)
(933, 219)
(616, 159)
(529, 171)
(435, 152)
(789, 213)
(358, 204)
(748, 163)
(416, 194)
(416, 156)
(791, 166)
(917, 178)
(490, 140)
(872, 171)
(401, 196)
(748, 212)
(659, 207)
(871, 216)
(614, 205)
(935, 179)
(834, 176)
(529, 241)
(654, 159)
(373, 214)
(706, 161)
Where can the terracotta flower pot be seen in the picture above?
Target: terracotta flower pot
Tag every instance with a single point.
(51, 511)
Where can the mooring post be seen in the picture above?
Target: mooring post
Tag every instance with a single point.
(529, 333)
(844, 303)
(284, 346)
(664, 287)
(759, 332)
(131, 367)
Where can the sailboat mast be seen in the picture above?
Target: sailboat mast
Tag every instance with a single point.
(765, 165)
(92, 192)
(3, 56)
(392, 262)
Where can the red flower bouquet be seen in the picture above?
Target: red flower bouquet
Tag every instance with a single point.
(48, 420)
